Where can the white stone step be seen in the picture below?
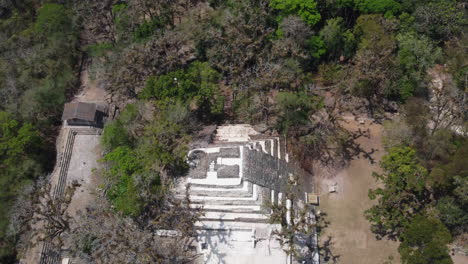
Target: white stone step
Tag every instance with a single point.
(242, 187)
(238, 234)
(222, 216)
(216, 181)
(230, 208)
(253, 197)
(209, 225)
(245, 191)
(222, 202)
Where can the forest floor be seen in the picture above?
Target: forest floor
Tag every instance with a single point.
(348, 235)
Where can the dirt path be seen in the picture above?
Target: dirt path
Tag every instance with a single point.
(349, 232)
(90, 90)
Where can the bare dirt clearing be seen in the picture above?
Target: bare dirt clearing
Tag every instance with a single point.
(349, 235)
(83, 161)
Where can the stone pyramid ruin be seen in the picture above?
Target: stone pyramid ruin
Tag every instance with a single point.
(233, 178)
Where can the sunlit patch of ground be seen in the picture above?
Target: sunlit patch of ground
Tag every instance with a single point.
(349, 235)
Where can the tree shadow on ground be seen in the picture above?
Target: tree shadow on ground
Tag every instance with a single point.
(354, 149)
(346, 150)
(326, 253)
(325, 246)
(210, 241)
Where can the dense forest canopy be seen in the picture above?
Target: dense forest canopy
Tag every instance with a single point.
(183, 64)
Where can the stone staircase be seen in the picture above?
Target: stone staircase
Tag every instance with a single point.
(242, 202)
(235, 214)
(49, 254)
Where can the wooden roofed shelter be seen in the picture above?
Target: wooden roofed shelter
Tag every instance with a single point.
(80, 114)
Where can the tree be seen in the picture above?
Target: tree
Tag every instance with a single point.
(53, 19)
(416, 55)
(51, 221)
(450, 174)
(416, 115)
(16, 140)
(114, 135)
(425, 241)
(403, 194)
(338, 40)
(440, 20)
(295, 109)
(447, 102)
(298, 226)
(124, 165)
(461, 189)
(198, 84)
(378, 6)
(157, 55)
(20, 163)
(456, 58)
(163, 147)
(374, 74)
(103, 236)
(317, 47)
(235, 38)
(293, 37)
(452, 214)
(306, 9)
(156, 150)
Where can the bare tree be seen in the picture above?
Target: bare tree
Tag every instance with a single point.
(298, 226)
(447, 103)
(164, 236)
(50, 218)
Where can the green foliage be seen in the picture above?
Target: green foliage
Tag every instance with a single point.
(456, 58)
(424, 241)
(52, 19)
(416, 55)
(373, 35)
(138, 157)
(114, 135)
(338, 40)
(375, 74)
(165, 140)
(122, 20)
(295, 109)
(403, 193)
(172, 85)
(15, 139)
(440, 19)
(378, 6)
(461, 189)
(147, 29)
(99, 49)
(20, 146)
(317, 47)
(118, 8)
(451, 213)
(305, 9)
(198, 84)
(407, 87)
(442, 177)
(330, 73)
(123, 193)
